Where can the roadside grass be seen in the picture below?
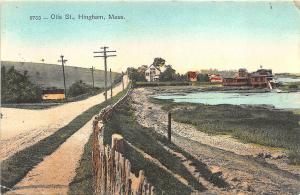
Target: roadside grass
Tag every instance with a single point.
(34, 106)
(17, 166)
(53, 103)
(124, 122)
(275, 128)
(83, 182)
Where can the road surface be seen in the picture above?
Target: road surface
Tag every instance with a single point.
(21, 128)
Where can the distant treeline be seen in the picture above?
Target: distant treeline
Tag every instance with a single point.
(288, 75)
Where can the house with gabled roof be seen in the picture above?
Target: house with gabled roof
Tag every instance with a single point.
(152, 73)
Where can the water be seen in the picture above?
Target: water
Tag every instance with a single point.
(288, 80)
(279, 100)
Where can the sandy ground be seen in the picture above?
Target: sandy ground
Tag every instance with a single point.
(55, 172)
(21, 128)
(240, 170)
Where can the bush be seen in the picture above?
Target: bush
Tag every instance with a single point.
(202, 77)
(79, 88)
(17, 88)
(135, 75)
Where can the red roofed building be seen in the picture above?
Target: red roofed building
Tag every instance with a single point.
(215, 78)
(192, 76)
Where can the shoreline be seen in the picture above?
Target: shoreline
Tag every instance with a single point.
(234, 157)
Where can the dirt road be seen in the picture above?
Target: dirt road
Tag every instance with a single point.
(56, 171)
(21, 128)
(240, 169)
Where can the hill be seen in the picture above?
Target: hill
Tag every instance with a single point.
(50, 75)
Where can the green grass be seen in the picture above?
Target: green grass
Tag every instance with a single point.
(83, 182)
(33, 106)
(123, 122)
(276, 128)
(53, 103)
(17, 166)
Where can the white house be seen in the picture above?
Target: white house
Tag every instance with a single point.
(152, 73)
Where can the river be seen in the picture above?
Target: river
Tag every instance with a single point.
(279, 100)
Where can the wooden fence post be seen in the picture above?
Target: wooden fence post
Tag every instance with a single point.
(169, 126)
(117, 143)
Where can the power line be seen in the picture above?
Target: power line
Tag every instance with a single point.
(105, 56)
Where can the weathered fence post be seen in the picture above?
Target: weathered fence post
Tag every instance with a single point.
(112, 171)
(117, 143)
(169, 126)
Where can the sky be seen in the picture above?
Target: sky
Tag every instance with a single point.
(188, 35)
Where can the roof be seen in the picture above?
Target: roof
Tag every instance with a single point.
(153, 67)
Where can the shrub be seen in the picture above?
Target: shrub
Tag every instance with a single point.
(79, 88)
(17, 88)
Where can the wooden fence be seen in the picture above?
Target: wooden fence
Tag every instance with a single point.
(112, 171)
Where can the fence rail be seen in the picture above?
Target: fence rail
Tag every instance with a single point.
(112, 171)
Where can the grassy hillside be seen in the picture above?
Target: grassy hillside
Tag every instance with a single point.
(50, 75)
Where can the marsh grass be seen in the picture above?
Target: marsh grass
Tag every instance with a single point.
(270, 127)
(124, 122)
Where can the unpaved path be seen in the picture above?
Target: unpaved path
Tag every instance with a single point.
(21, 128)
(56, 171)
(244, 173)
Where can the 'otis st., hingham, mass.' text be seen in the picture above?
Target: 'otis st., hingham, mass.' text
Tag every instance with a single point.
(78, 17)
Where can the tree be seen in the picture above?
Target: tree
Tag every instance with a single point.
(181, 77)
(159, 62)
(202, 77)
(17, 87)
(168, 75)
(79, 88)
(135, 75)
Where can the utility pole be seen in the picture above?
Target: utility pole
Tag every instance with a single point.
(63, 66)
(123, 80)
(169, 126)
(93, 77)
(105, 56)
(111, 94)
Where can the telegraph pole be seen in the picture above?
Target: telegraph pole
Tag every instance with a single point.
(110, 83)
(105, 56)
(63, 66)
(123, 80)
(93, 77)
